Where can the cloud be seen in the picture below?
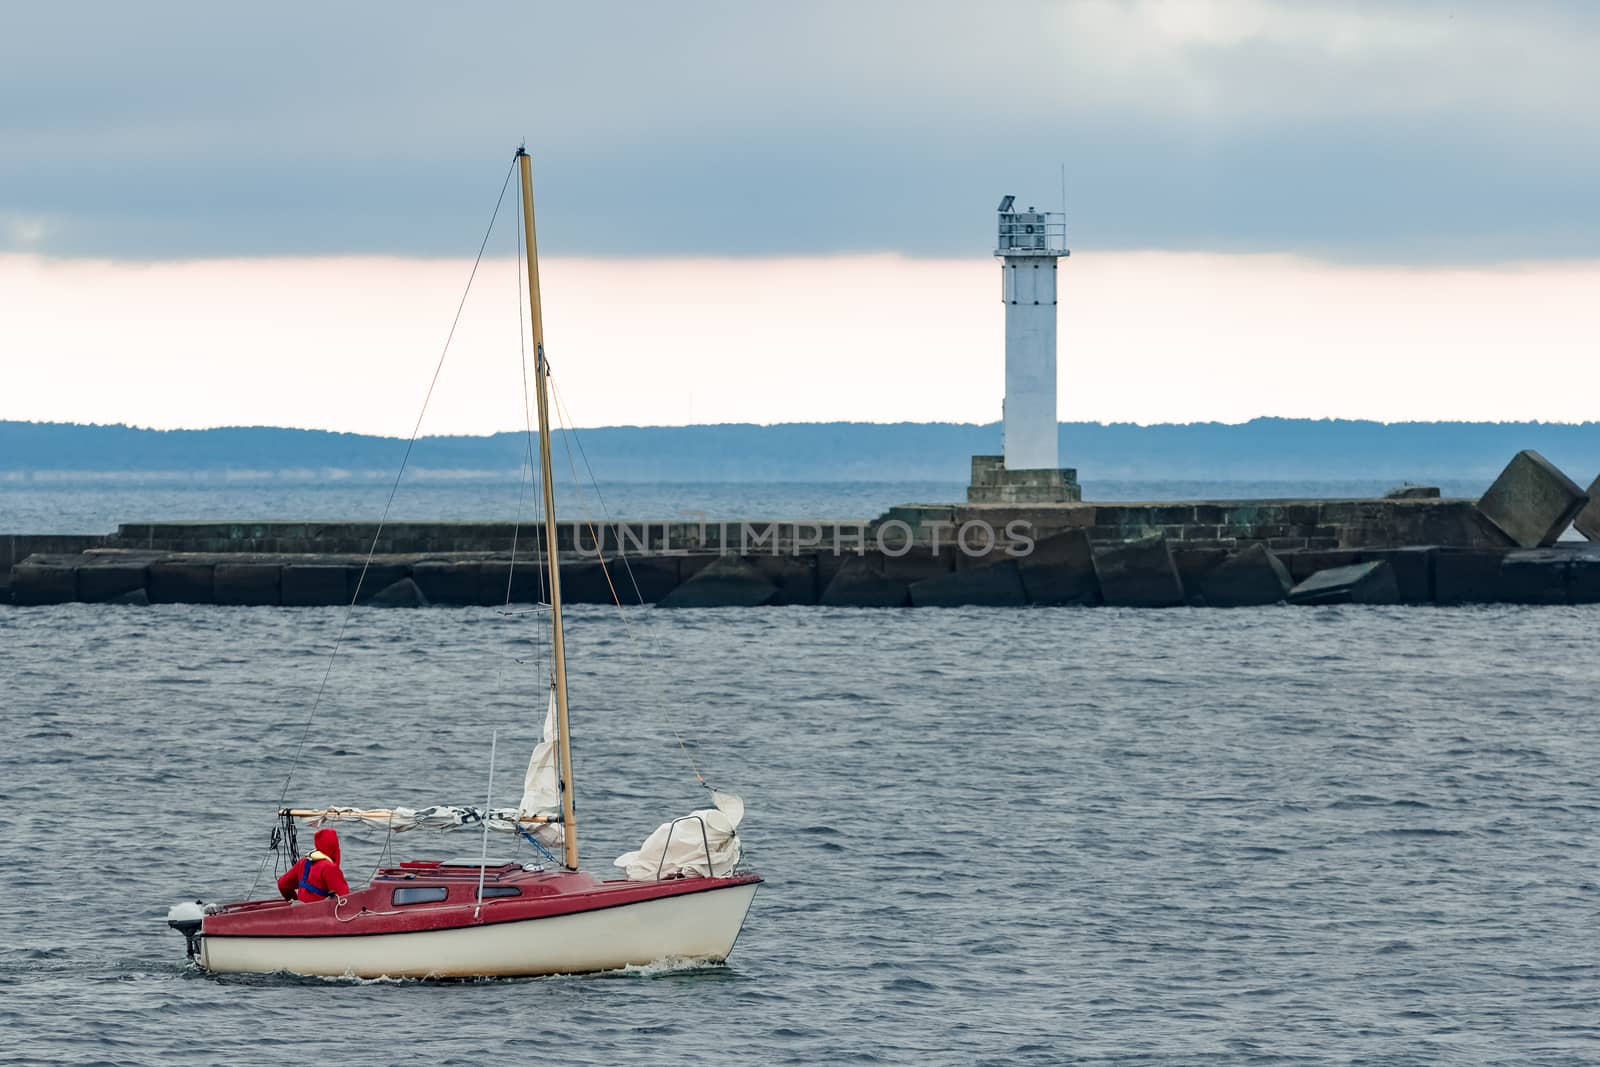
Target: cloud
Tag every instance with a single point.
(1247, 61)
(1377, 131)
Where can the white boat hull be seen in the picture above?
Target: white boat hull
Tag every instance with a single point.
(693, 926)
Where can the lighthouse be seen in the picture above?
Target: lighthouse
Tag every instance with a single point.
(1029, 245)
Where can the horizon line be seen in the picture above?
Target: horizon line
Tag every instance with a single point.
(518, 431)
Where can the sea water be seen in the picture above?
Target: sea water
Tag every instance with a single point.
(1021, 836)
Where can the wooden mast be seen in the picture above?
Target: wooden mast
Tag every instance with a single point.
(558, 650)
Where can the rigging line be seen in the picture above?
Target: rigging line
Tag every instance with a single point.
(257, 879)
(388, 839)
(627, 626)
(410, 444)
(524, 469)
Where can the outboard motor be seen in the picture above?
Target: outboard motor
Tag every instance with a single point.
(185, 918)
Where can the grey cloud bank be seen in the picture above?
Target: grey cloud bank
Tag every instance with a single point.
(1389, 132)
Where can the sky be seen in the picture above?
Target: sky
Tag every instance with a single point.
(213, 215)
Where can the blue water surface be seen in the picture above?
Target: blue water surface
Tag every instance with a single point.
(1025, 836)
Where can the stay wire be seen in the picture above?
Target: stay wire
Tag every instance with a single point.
(393, 489)
(524, 473)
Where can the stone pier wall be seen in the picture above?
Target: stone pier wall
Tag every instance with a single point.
(1223, 553)
(1280, 525)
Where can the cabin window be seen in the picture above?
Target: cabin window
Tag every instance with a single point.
(421, 894)
(501, 891)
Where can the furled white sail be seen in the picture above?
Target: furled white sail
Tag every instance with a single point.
(680, 847)
(541, 789)
(541, 785)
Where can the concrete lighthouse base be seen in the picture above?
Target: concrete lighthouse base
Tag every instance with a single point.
(992, 483)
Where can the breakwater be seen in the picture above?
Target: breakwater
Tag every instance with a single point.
(1066, 569)
(1410, 547)
(1004, 559)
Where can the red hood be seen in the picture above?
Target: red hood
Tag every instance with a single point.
(327, 842)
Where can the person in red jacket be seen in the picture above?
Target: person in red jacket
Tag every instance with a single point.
(317, 876)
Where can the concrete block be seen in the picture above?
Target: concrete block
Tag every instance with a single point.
(1193, 561)
(1442, 522)
(1413, 570)
(1467, 576)
(102, 582)
(727, 582)
(138, 598)
(376, 578)
(997, 585)
(400, 594)
(522, 580)
(795, 577)
(1060, 570)
(1250, 579)
(1303, 564)
(181, 582)
(314, 584)
(1532, 501)
(1535, 576)
(1138, 574)
(450, 581)
(251, 584)
(862, 583)
(1583, 579)
(1588, 520)
(691, 565)
(638, 579)
(1179, 515)
(923, 561)
(828, 566)
(1413, 492)
(44, 580)
(1358, 583)
(649, 578)
(587, 582)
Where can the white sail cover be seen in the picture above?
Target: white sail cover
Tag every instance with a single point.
(541, 785)
(679, 847)
(438, 817)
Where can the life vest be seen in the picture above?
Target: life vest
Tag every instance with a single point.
(305, 873)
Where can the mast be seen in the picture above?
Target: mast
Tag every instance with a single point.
(558, 650)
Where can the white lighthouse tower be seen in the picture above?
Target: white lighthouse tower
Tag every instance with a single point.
(1029, 244)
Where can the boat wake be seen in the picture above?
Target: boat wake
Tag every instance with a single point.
(662, 968)
(658, 969)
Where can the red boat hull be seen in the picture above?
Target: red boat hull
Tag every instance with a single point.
(427, 920)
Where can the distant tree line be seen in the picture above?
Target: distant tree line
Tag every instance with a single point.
(1264, 448)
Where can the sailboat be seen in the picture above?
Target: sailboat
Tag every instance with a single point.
(683, 895)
